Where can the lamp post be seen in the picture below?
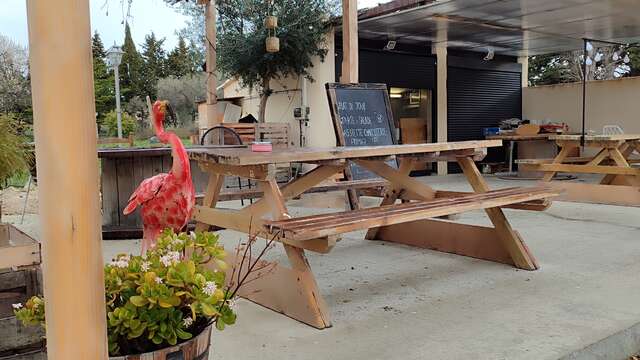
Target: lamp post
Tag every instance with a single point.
(113, 59)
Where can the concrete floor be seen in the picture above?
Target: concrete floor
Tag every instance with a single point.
(391, 301)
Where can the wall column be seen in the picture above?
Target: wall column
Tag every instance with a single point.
(524, 60)
(68, 190)
(210, 28)
(349, 42)
(441, 99)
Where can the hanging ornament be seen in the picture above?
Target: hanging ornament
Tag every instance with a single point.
(272, 43)
(626, 59)
(589, 47)
(598, 57)
(615, 56)
(271, 22)
(589, 62)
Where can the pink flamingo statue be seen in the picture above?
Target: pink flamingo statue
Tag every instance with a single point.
(167, 200)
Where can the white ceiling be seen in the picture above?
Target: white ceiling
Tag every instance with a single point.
(510, 27)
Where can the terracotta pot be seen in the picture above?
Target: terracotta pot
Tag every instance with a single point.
(273, 44)
(195, 349)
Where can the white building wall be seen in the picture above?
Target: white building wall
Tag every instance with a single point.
(287, 96)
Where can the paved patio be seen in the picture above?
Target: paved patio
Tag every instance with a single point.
(391, 301)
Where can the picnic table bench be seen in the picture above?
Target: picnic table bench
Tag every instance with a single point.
(293, 290)
(620, 183)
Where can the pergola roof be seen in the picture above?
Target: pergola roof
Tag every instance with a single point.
(510, 27)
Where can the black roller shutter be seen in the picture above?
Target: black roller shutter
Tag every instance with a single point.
(480, 97)
(394, 69)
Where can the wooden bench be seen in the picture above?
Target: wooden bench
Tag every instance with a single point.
(323, 225)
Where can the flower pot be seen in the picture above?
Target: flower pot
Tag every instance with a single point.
(273, 44)
(271, 22)
(197, 348)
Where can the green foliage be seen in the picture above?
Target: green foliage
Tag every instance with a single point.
(131, 82)
(178, 60)
(162, 298)
(14, 156)
(103, 81)
(15, 88)
(182, 93)
(154, 64)
(110, 123)
(241, 40)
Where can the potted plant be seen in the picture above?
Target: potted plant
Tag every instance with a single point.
(164, 302)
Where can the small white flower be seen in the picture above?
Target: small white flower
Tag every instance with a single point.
(121, 261)
(17, 306)
(192, 235)
(209, 288)
(145, 266)
(187, 321)
(170, 259)
(233, 304)
(158, 280)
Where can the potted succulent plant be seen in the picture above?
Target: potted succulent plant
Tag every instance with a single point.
(163, 304)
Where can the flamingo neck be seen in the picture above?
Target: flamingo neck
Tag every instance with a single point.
(180, 168)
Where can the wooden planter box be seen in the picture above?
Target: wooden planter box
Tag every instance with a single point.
(20, 278)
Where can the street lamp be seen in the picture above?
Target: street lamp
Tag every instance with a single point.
(113, 59)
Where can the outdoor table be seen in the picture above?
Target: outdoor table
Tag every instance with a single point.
(529, 146)
(620, 184)
(293, 291)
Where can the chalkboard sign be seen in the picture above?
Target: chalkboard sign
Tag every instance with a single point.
(361, 116)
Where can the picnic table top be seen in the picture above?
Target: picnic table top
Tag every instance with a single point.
(516, 137)
(146, 151)
(577, 137)
(244, 156)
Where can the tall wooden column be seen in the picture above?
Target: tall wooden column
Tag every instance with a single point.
(66, 155)
(349, 42)
(441, 99)
(210, 26)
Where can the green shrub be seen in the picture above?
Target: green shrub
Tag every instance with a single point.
(14, 155)
(129, 124)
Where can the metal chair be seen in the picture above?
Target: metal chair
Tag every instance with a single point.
(222, 135)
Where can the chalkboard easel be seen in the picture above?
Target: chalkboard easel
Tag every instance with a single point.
(362, 116)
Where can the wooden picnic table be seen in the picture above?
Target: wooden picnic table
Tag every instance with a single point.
(613, 159)
(293, 290)
(529, 146)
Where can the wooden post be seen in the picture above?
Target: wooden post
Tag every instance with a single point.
(524, 79)
(441, 100)
(66, 157)
(349, 42)
(210, 26)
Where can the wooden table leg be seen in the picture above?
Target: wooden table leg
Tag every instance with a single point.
(511, 240)
(393, 192)
(211, 196)
(290, 291)
(621, 161)
(566, 149)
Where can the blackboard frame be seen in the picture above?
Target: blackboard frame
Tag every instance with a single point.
(331, 88)
(333, 107)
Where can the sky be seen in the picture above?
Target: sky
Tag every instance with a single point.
(107, 18)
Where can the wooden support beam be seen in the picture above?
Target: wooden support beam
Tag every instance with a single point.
(256, 172)
(441, 100)
(349, 42)
(511, 240)
(65, 136)
(210, 46)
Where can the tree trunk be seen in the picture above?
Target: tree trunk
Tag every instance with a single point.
(266, 92)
